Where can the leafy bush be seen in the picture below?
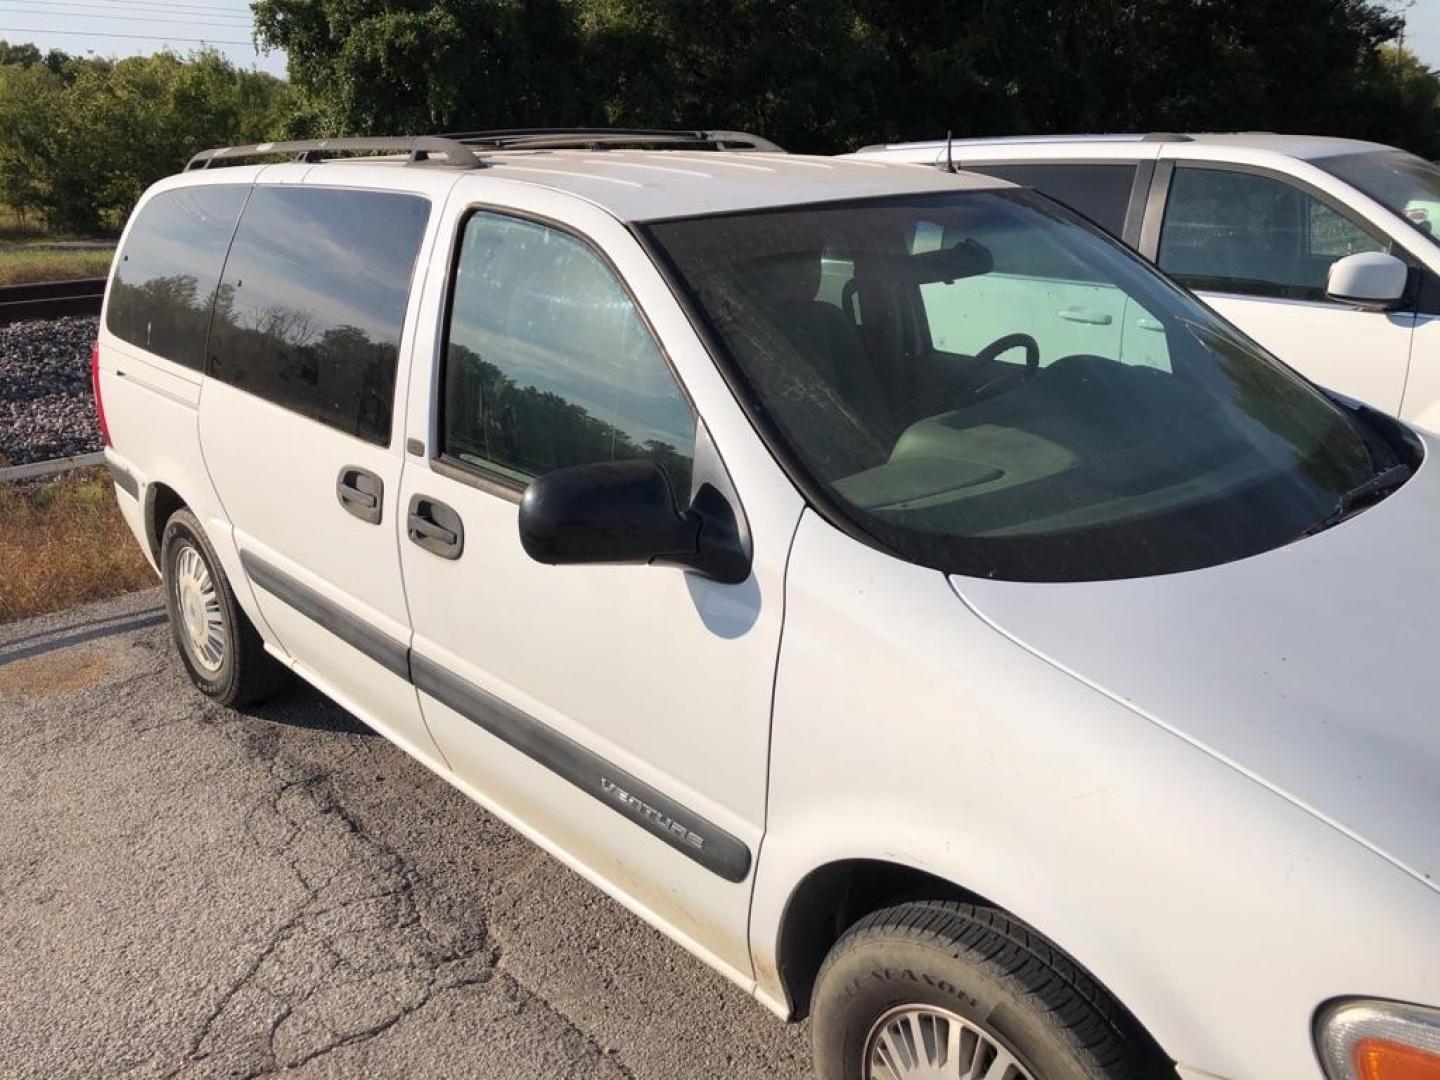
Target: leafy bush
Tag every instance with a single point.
(80, 139)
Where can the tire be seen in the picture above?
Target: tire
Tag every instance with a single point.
(910, 976)
(221, 649)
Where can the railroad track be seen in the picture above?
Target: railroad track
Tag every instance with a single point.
(42, 470)
(51, 299)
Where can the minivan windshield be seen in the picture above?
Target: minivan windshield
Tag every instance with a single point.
(1404, 183)
(982, 382)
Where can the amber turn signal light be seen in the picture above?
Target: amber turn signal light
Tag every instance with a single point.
(1380, 1059)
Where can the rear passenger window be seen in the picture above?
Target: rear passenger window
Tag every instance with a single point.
(1100, 192)
(548, 363)
(312, 302)
(166, 276)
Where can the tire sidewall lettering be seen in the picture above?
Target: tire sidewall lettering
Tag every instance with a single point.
(882, 975)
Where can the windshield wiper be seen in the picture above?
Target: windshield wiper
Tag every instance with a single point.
(1362, 495)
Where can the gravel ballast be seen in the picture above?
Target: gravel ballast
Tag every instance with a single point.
(47, 409)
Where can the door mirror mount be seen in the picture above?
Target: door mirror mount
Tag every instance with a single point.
(623, 512)
(721, 551)
(1369, 280)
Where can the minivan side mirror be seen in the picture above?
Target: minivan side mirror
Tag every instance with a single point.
(624, 512)
(1372, 280)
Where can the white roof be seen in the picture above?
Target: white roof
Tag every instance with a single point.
(646, 185)
(1296, 146)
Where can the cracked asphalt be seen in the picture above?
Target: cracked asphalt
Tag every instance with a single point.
(189, 891)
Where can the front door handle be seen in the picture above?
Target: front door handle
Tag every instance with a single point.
(435, 527)
(361, 492)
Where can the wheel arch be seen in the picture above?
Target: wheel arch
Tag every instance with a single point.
(161, 501)
(833, 897)
(836, 895)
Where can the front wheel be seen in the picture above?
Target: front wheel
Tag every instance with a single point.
(222, 651)
(949, 991)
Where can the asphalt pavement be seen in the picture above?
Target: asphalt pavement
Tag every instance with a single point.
(190, 891)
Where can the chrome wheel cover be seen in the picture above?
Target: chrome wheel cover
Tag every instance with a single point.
(922, 1042)
(198, 604)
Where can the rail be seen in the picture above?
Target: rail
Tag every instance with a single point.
(51, 299)
(39, 470)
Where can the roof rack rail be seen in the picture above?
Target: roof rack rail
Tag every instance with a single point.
(422, 150)
(1165, 136)
(601, 138)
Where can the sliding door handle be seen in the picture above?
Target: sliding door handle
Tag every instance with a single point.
(435, 527)
(361, 492)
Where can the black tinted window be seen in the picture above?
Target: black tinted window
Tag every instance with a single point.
(1244, 233)
(1100, 192)
(549, 364)
(165, 279)
(313, 299)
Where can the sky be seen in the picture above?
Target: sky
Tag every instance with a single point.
(1422, 31)
(140, 27)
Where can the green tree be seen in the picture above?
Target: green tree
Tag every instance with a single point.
(833, 74)
(79, 143)
(1107, 65)
(377, 66)
(1405, 105)
(22, 55)
(801, 73)
(27, 104)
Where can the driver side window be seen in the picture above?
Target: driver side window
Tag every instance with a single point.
(549, 364)
(1039, 290)
(1252, 235)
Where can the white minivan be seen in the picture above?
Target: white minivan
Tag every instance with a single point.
(1016, 709)
(1323, 250)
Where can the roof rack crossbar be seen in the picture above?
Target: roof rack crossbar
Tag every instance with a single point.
(422, 150)
(600, 138)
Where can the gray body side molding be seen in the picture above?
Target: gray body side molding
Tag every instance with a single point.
(688, 833)
(390, 654)
(682, 829)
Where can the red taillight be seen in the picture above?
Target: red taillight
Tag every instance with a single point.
(95, 384)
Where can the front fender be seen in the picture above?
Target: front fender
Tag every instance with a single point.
(1219, 912)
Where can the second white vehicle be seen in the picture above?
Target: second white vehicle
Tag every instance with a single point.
(1322, 250)
(1057, 719)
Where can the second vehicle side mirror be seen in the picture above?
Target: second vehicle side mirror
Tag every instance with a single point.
(625, 512)
(1372, 280)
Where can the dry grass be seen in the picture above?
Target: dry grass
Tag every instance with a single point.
(17, 230)
(62, 543)
(19, 265)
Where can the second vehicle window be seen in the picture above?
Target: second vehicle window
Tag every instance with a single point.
(1240, 232)
(548, 363)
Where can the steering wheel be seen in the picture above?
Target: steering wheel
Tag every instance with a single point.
(1003, 345)
(1014, 341)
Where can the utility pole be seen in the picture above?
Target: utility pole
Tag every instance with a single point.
(1403, 12)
